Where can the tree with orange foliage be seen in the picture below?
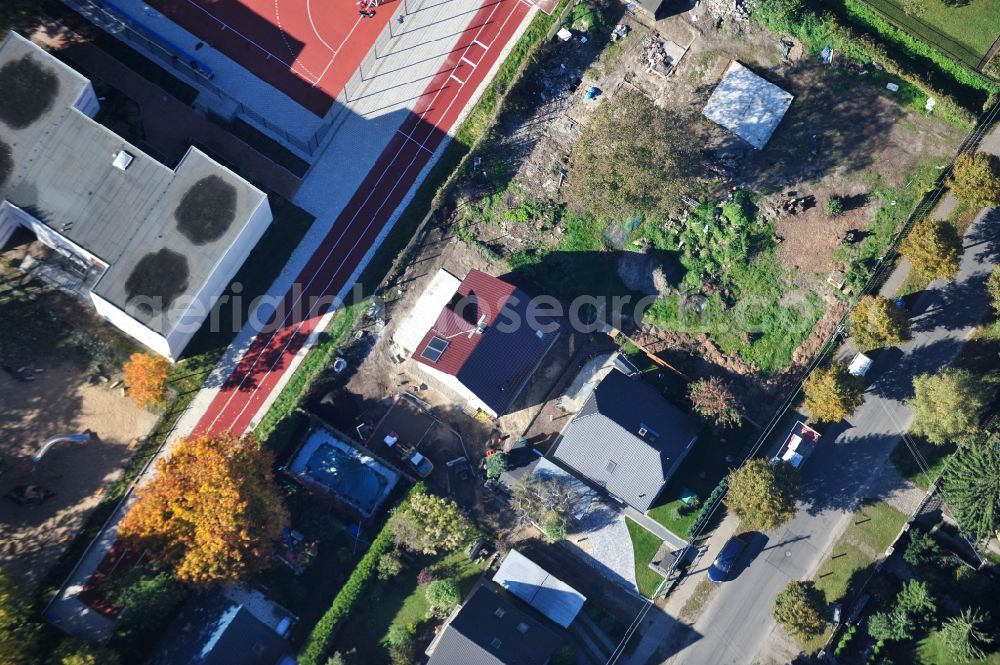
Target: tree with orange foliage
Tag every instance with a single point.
(213, 510)
(146, 378)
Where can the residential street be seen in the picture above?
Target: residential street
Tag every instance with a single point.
(851, 464)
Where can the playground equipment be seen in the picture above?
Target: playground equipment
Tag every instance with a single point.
(85, 437)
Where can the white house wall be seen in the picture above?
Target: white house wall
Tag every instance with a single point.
(130, 326)
(453, 384)
(87, 103)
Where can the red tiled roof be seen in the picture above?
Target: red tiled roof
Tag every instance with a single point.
(478, 295)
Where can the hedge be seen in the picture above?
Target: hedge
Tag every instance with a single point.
(706, 508)
(320, 640)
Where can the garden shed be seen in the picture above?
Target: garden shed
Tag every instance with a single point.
(747, 105)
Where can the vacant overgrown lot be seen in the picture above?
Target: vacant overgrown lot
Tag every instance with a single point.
(735, 248)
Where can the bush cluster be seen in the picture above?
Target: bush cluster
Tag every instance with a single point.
(321, 638)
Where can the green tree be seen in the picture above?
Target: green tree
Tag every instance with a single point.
(402, 644)
(965, 635)
(972, 487)
(443, 596)
(877, 322)
(430, 524)
(799, 608)
(632, 158)
(762, 494)
(947, 404)
(18, 633)
(349, 657)
(923, 550)
(916, 602)
(714, 400)
(389, 565)
(888, 626)
(554, 527)
(993, 287)
(832, 393)
(496, 464)
(932, 248)
(975, 179)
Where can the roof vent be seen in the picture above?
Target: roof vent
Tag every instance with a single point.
(522, 628)
(496, 643)
(500, 612)
(123, 159)
(481, 325)
(643, 431)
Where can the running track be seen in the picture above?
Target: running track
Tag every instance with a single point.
(260, 369)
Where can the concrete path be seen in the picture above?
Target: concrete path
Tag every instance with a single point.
(655, 528)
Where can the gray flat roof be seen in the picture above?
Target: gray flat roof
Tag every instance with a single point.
(534, 585)
(64, 176)
(747, 105)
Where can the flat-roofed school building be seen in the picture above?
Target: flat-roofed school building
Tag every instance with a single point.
(153, 247)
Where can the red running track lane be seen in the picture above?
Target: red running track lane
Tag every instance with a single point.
(353, 234)
(308, 49)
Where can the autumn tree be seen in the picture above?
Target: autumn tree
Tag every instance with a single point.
(146, 379)
(932, 248)
(975, 179)
(74, 651)
(832, 393)
(547, 500)
(972, 487)
(763, 494)
(877, 322)
(212, 511)
(632, 158)
(429, 524)
(18, 632)
(965, 635)
(714, 400)
(993, 287)
(799, 608)
(947, 404)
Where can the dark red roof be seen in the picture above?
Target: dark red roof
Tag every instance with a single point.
(496, 363)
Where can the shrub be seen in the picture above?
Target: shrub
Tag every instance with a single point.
(401, 644)
(429, 524)
(426, 576)
(389, 565)
(975, 179)
(496, 464)
(834, 206)
(148, 599)
(993, 287)
(554, 527)
(74, 651)
(706, 508)
(317, 645)
(443, 596)
(890, 626)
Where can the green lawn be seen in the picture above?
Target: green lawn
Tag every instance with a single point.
(644, 547)
(399, 601)
(871, 531)
(965, 30)
(700, 472)
(931, 651)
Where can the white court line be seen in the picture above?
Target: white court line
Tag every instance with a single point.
(279, 356)
(226, 26)
(464, 59)
(410, 138)
(337, 51)
(315, 31)
(452, 76)
(288, 47)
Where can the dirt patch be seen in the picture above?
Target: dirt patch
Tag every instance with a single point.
(60, 400)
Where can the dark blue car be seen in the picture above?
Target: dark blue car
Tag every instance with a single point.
(719, 571)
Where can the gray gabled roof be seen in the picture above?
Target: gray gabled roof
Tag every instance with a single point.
(627, 439)
(491, 629)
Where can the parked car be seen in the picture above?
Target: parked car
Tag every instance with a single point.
(719, 571)
(421, 464)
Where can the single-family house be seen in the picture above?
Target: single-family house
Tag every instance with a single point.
(150, 247)
(479, 337)
(626, 439)
(491, 628)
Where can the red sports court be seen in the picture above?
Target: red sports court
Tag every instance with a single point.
(308, 49)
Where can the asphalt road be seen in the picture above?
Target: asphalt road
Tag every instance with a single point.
(850, 464)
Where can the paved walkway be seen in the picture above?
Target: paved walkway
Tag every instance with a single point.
(170, 126)
(655, 528)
